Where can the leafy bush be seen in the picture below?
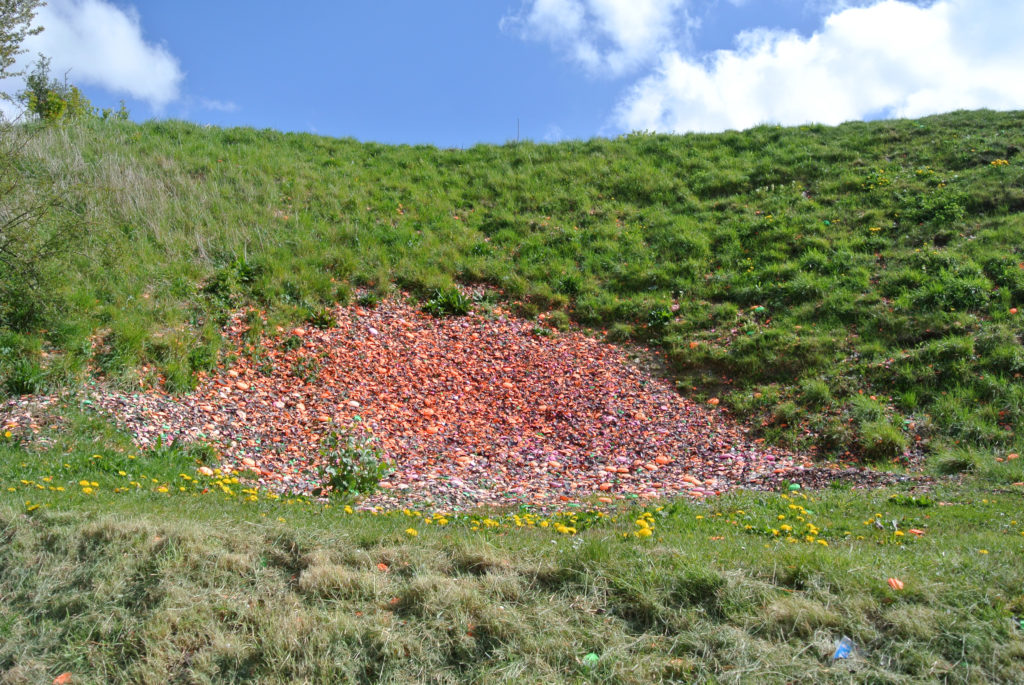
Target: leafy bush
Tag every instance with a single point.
(352, 463)
(51, 100)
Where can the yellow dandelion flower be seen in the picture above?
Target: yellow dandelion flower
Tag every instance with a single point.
(411, 532)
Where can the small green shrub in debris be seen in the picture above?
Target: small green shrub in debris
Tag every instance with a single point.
(558, 320)
(659, 318)
(448, 302)
(353, 464)
(321, 317)
(368, 300)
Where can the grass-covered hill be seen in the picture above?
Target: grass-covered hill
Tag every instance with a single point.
(849, 288)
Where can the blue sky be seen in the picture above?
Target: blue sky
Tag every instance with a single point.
(458, 72)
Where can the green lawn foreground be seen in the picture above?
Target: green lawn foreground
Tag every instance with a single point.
(116, 566)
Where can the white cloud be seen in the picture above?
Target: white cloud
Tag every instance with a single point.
(892, 58)
(605, 36)
(103, 45)
(218, 105)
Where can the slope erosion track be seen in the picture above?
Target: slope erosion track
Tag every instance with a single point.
(473, 411)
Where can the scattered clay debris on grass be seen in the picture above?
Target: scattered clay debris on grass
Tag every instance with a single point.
(473, 411)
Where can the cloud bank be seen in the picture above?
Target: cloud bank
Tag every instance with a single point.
(869, 59)
(103, 45)
(893, 59)
(611, 37)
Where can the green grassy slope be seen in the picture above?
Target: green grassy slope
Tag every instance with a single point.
(796, 273)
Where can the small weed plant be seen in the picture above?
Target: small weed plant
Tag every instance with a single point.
(448, 302)
(322, 318)
(353, 464)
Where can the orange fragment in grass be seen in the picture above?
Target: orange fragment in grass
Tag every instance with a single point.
(382, 567)
(713, 401)
(895, 584)
(63, 678)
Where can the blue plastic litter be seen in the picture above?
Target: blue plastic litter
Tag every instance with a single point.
(844, 649)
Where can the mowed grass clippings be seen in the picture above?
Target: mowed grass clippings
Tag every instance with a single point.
(153, 587)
